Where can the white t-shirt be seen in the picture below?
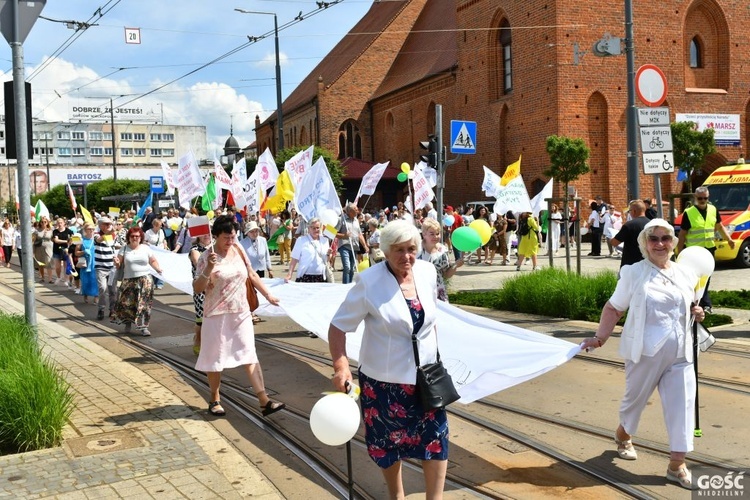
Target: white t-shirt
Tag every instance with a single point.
(136, 261)
(311, 255)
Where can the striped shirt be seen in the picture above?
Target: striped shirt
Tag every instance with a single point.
(104, 255)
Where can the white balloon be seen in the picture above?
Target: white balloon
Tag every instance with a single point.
(329, 217)
(698, 259)
(410, 175)
(334, 419)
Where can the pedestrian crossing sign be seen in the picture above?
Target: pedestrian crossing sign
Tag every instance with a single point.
(463, 137)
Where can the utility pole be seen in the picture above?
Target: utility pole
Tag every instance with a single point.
(114, 151)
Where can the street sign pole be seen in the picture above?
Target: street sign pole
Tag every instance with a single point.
(15, 28)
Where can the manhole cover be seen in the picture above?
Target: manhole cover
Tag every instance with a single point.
(512, 447)
(103, 443)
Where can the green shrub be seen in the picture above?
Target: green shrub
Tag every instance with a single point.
(35, 400)
(734, 299)
(712, 320)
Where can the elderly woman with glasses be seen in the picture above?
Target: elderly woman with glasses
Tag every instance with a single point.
(136, 295)
(310, 255)
(656, 344)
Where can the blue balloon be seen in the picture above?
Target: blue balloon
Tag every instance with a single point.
(449, 220)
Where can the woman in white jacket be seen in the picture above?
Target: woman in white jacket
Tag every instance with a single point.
(656, 344)
(396, 298)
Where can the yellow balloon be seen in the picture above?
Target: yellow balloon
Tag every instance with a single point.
(363, 265)
(174, 226)
(483, 229)
(405, 168)
(210, 214)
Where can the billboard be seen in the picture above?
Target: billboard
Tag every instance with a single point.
(726, 127)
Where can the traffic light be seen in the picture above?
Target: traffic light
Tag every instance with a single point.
(431, 147)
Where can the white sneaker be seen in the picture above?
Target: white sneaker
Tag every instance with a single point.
(78, 291)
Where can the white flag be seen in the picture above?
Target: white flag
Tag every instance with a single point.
(222, 179)
(189, 181)
(537, 202)
(252, 192)
(238, 191)
(491, 183)
(298, 165)
(513, 197)
(371, 179)
(168, 177)
(429, 173)
(422, 191)
(268, 171)
(316, 192)
(240, 168)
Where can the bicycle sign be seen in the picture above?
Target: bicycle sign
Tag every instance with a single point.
(656, 139)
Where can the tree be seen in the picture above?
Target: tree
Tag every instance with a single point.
(569, 161)
(690, 148)
(58, 202)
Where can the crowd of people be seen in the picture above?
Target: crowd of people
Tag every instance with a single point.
(114, 264)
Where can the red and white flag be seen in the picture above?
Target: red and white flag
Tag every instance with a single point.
(72, 198)
(198, 226)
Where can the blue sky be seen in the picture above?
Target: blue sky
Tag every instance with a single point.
(178, 36)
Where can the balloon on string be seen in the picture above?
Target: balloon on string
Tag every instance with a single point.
(402, 177)
(483, 229)
(701, 262)
(405, 168)
(448, 220)
(334, 419)
(210, 214)
(410, 175)
(329, 217)
(466, 239)
(363, 265)
(174, 226)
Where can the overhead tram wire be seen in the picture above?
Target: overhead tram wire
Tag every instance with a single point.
(97, 15)
(251, 41)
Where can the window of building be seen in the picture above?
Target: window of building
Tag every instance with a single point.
(79, 151)
(108, 151)
(167, 152)
(155, 137)
(95, 136)
(63, 151)
(156, 152)
(350, 140)
(139, 137)
(42, 151)
(507, 56)
(107, 136)
(167, 137)
(2, 151)
(126, 136)
(139, 152)
(126, 151)
(96, 151)
(65, 136)
(696, 54)
(79, 136)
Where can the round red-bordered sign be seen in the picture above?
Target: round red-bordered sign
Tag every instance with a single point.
(651, 85)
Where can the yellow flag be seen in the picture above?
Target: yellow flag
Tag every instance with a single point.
(86, 214)
(284, 192)
(513, 171)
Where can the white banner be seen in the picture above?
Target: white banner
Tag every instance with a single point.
(268, 171)
(726, 127)
(238, 191)
(316, 192)
(240, 168)
(298, 165)
(491, 183)
(222, 179)
(168, 178)
(252, 192)
(513, 197)
(422, 192)
(188, 180)
(429, 173)
(537, 202)
(371, 179)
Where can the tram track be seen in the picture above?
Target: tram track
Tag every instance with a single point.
(245, 405)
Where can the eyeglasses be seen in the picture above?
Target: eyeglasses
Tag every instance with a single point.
(656, 239)
(701, 198)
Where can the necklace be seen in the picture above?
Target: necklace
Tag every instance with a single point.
(667, 275)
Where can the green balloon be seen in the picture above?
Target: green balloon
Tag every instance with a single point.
(466, 239)
(402, 177)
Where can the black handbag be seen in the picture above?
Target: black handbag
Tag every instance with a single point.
(434, 384)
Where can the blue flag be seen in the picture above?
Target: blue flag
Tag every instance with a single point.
(147, 203)
(681, 175)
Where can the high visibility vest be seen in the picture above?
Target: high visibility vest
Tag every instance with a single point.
(701, 232)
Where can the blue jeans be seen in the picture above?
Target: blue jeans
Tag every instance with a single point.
(348, 263)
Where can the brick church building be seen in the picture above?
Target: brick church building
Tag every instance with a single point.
(523, 70)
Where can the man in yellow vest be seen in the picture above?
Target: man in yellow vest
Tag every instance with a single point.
(699, 223)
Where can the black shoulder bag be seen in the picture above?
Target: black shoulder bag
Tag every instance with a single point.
(434, 384)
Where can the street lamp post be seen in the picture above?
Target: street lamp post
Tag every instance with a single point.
(279, 113)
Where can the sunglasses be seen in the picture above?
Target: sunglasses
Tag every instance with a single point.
(701, 198)
(656, 239)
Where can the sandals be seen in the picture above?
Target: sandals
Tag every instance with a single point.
(256, 319)
(625, 449)
(215, 409)
(272, 407)
(681, 476)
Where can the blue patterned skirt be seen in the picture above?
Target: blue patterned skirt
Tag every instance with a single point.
(396, 425)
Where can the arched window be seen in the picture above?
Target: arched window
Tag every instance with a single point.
(350, 140)
(696, 53)
(504, 39)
